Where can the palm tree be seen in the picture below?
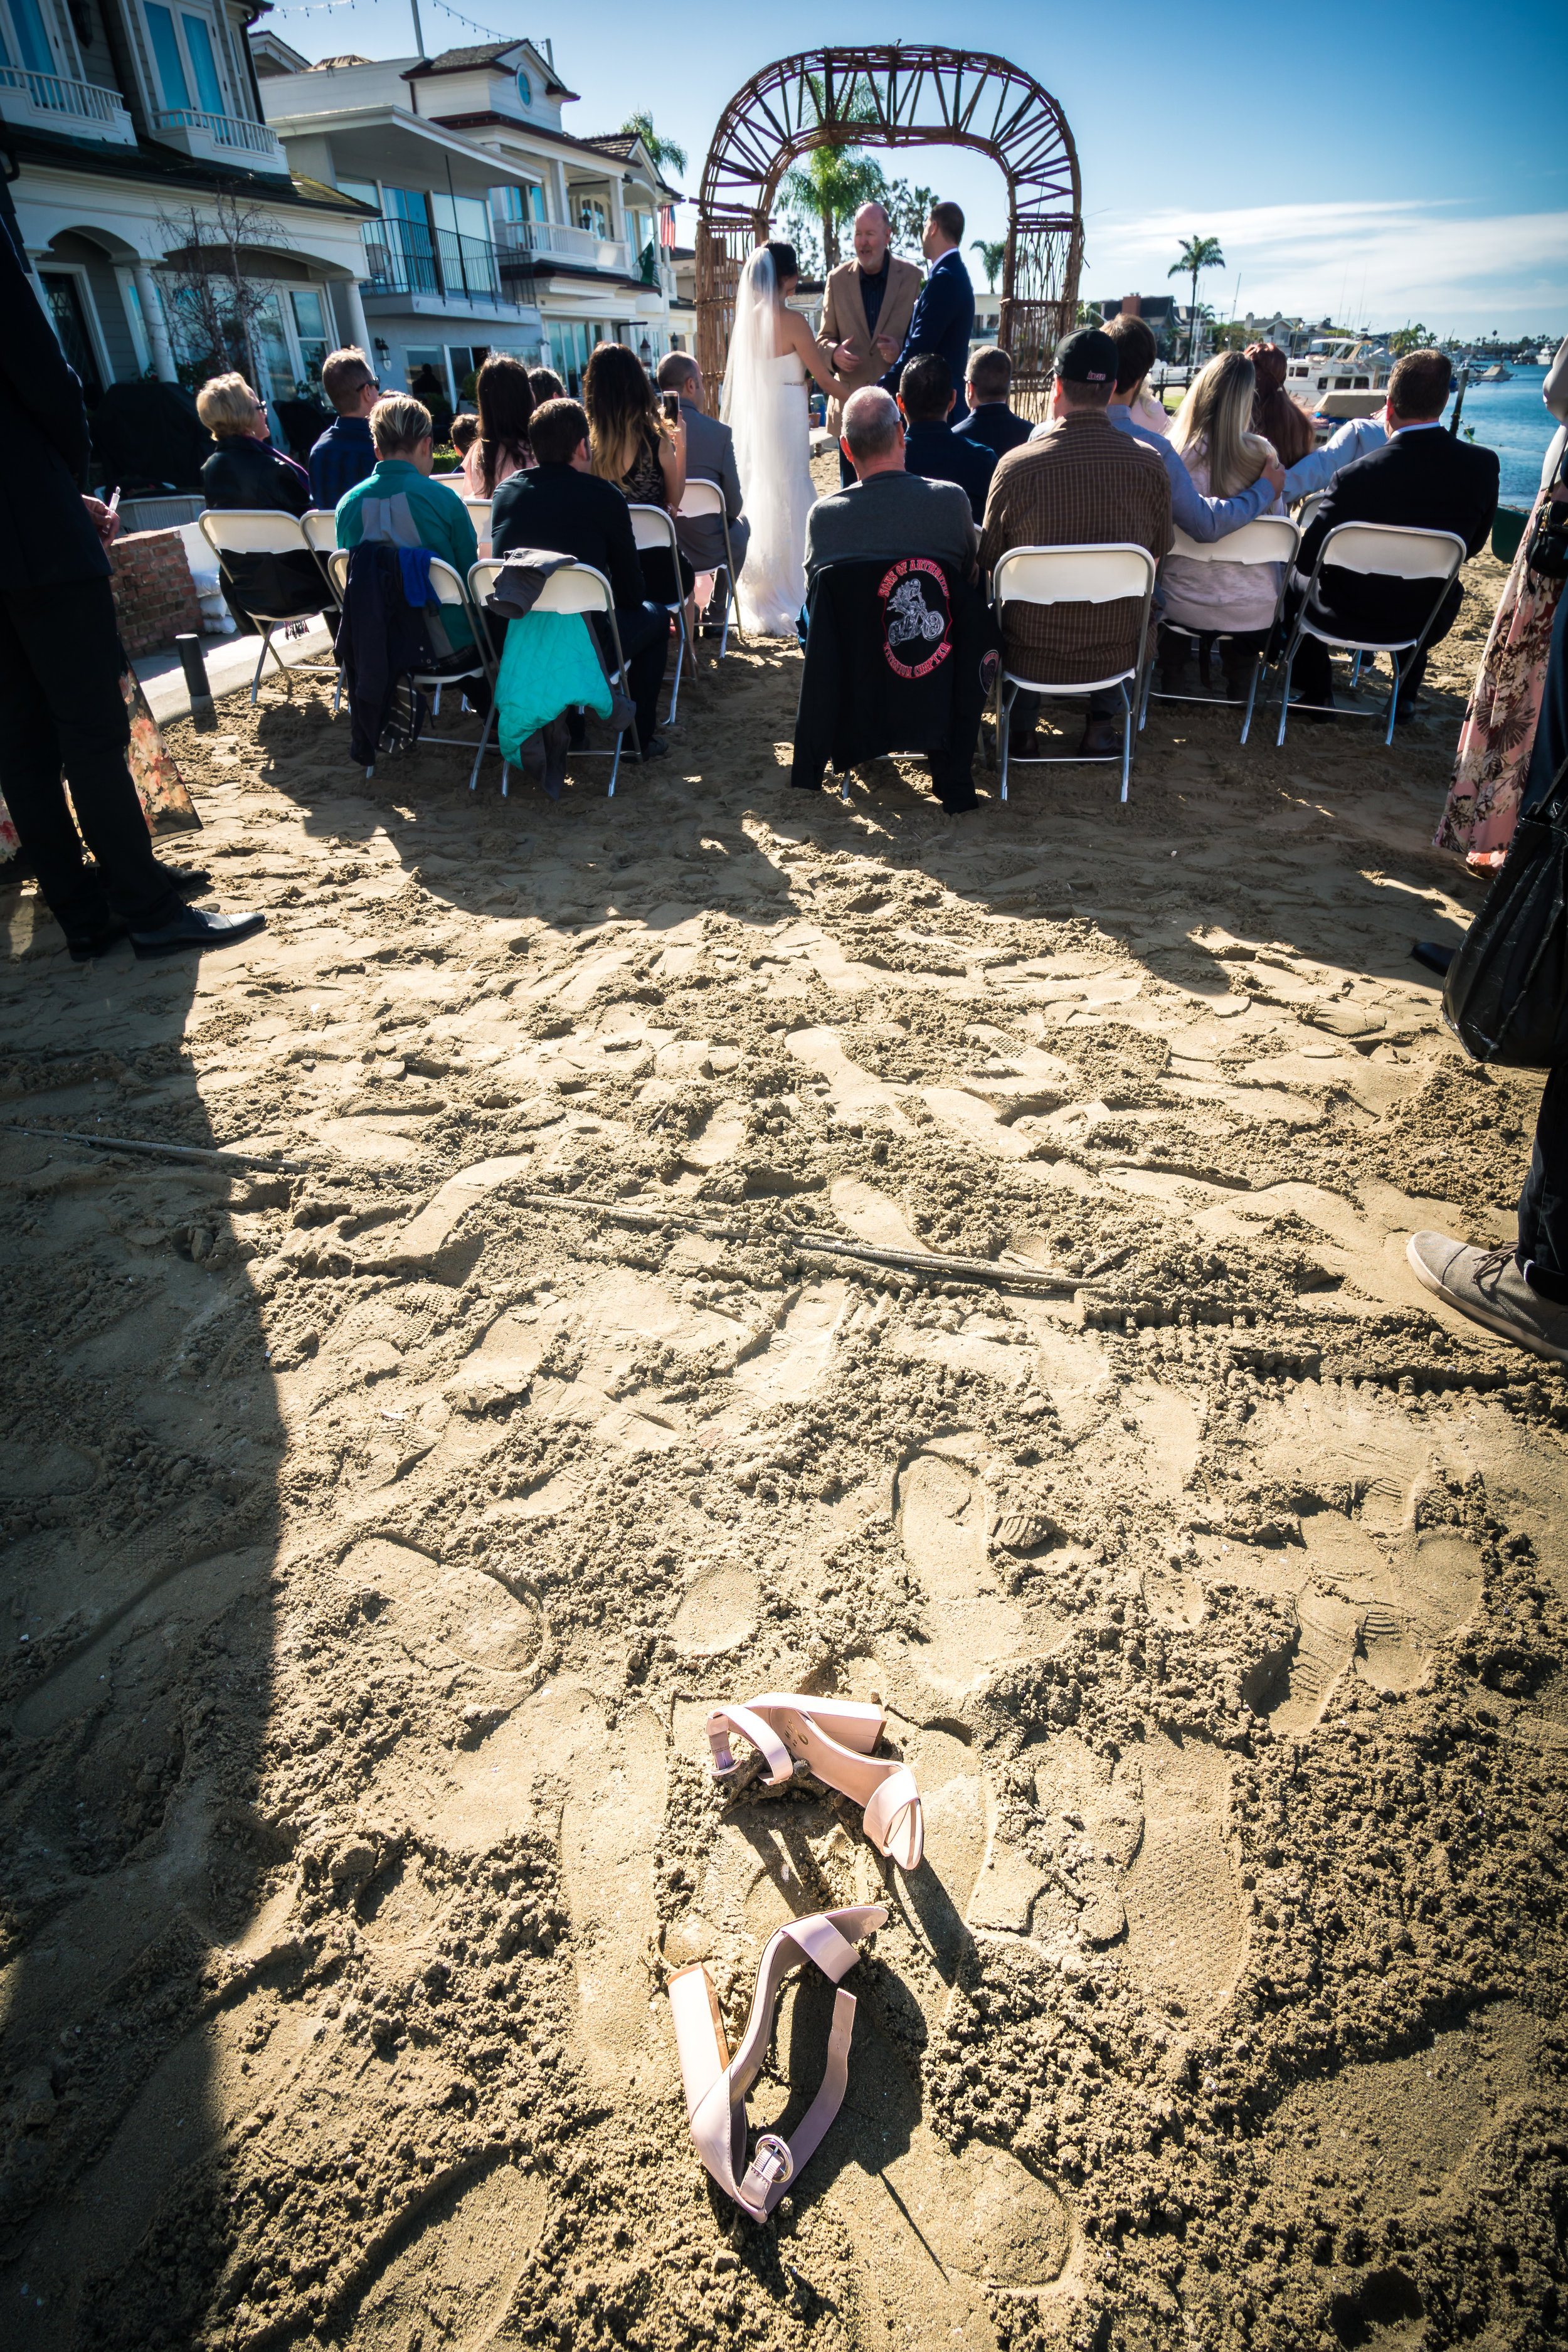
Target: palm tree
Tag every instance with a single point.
(833, 183)
(1197, 253)
(660, 151)
(992, 256)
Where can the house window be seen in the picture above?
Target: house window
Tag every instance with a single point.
(517, 204)
(274, 360)
(311, 327)
(593, 216)
(183, 51)
(69, 314)
(32, 42)
(524, 88)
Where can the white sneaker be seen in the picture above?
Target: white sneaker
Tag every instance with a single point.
(1487, 1287)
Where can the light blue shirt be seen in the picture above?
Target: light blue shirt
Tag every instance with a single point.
(1357, 437)
(1204, 519)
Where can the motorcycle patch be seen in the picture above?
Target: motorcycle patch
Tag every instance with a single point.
(917, 619)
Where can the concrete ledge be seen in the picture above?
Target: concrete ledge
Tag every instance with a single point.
(231, 665)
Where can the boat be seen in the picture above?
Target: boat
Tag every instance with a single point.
(1495, 373)
(1544, 356)
(1340, 377)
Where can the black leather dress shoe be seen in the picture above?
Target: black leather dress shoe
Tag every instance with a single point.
(193, 928)
(88, 944)
(190, 881)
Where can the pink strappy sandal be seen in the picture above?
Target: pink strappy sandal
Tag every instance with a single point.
(834, 1739)
(716, 2084)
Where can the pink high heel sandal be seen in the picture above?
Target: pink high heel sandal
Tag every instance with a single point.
(834, 1739)
(716, 2085)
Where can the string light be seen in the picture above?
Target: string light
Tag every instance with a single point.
(324, 7)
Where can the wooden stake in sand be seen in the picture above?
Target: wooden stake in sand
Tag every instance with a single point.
(197, 1152)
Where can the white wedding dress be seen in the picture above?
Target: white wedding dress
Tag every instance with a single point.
(764, 406)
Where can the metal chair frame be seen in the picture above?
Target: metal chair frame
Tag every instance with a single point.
(564, 592)
(698, 513)
(270, 537)
(1010, 684)
(319, 525)
(655, 527)
(450, 591)
(1410, 647)
(1273, 526)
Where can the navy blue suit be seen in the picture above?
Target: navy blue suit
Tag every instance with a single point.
(936, 450)
(994, 426)
(944, 322)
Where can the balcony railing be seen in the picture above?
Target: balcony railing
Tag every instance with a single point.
(223, 129)
(525, 240)
(403, 257)
(80, 108)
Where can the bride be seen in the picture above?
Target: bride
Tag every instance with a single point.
(764, 406)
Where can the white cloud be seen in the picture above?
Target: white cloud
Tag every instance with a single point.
(1378, 263)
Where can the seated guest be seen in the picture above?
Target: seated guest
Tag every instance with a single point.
(1203, 519)
(635, 448)
(1235, 602)
(987, 382)
(425, 385)
(545, 385)
(559, 503)
(400, 502)
(1282, 422)
(464, 434)
(1423, 477)
(887, 510)
(709, 457)
(344, 453)
(245, 470)
(1081, 482)
(1356, 437)
(932, 447)
(501, 445)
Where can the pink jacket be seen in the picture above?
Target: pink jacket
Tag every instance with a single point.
(474, 480)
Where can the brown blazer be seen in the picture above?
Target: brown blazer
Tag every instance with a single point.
(844, 321)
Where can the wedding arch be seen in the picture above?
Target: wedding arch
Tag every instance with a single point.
(896, 96)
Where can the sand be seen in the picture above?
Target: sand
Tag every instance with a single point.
(376, 1533)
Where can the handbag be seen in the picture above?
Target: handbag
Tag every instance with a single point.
(1546, 552)
(1506, 996)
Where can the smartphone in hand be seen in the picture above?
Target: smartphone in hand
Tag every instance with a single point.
(670, 401)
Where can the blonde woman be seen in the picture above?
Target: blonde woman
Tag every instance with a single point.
(1213, 436)
(245, 470)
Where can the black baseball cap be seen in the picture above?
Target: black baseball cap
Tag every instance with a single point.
(1087, 357)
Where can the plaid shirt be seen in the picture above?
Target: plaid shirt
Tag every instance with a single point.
(343, 456)
(1082, 484)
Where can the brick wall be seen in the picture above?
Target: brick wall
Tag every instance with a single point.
(155, 595)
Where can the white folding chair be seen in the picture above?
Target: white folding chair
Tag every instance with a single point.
(480, 515)
(451, 595)
(1377, 550)
(653, 527)
(1270, 539)
(576, 588)
(702, 499)
(319, 525)
(1302, 517)
(262, 530)
(1109, 574)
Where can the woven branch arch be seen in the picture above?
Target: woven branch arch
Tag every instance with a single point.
(918, 97)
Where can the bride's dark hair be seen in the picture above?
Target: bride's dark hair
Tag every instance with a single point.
(785, 266)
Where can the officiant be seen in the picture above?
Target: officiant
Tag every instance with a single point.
(866, 308)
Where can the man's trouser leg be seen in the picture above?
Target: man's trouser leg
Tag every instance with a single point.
(59, 693)
(1542, 1249)
(645, 642)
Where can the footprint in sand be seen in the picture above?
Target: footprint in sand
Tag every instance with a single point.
(969, 1622)
(452, 2281)
(1185, 1935)
(718, 1612)
(444, 1616)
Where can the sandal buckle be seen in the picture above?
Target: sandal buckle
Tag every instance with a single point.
(772, 2162)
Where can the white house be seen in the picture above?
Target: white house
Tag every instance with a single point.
(494, 228)
(122, 118)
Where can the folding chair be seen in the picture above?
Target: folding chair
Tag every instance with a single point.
(703, 497)
(1104, 574)
(319, 525)
(1270, 539)
(653, 527)
(450, 593)
(480, 515)
(262, 530)
(1377, 550)
(576, 588)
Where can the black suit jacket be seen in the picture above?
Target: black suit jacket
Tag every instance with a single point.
(556, 507)
(994, 424)
(45, 537)
(936, 451)
(1425, 479)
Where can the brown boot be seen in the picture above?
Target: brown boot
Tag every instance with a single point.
(1101, 740)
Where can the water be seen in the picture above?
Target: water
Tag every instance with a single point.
(1512, 419)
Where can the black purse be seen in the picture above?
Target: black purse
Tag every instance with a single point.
(1506, 996)
(1546, 553)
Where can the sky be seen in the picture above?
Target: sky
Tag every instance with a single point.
(1385, 167)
